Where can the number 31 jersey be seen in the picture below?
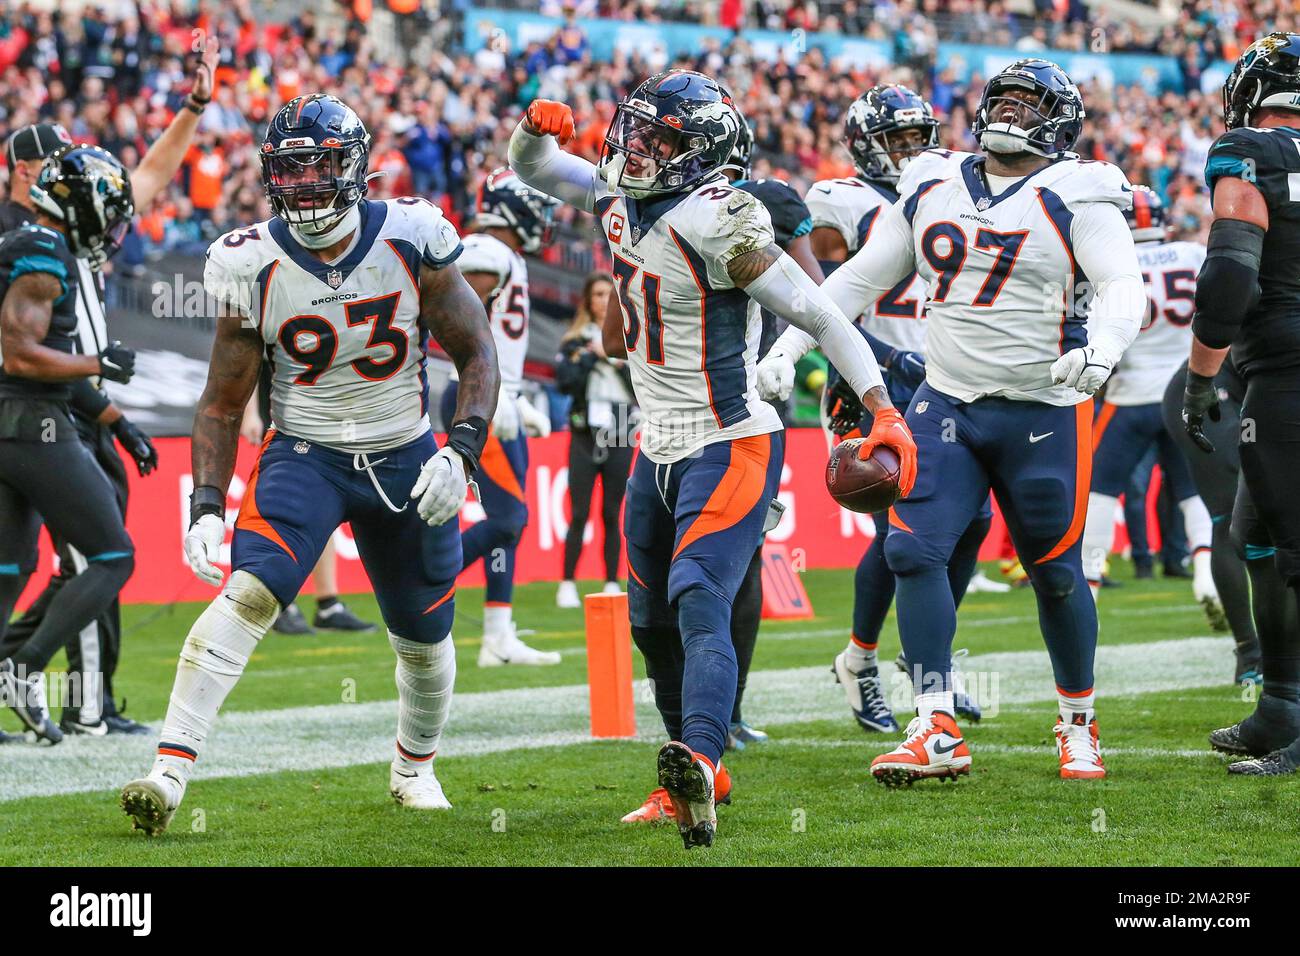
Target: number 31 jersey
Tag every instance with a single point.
(344, 338)
(1006, 296)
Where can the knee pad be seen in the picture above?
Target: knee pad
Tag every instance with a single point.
(423, 661)
(249, 601)
(1055, 579)
(905, 554)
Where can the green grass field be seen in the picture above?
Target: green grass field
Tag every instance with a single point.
(296, 773)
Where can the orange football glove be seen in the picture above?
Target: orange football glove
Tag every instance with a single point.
(548, 117)
(889, 429)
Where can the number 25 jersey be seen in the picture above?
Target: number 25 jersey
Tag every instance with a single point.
(344, 338)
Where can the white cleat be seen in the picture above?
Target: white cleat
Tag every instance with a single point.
(505, 647)
(151, 801)
(418, 789)
(612, 587)
(567, 596)
(981, 583)
(1079, 750)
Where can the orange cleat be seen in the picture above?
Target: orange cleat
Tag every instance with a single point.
(658, 807)
(1079, 749)
(934, 748)
(550, 118)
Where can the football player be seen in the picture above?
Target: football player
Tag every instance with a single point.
(694, 259)
(883, 130)
(1248, 297)
(1002, 241)
(1130, 421)
(342, 292)
(511, 221)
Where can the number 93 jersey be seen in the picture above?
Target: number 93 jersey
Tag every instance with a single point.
(344, 338)
(508, 306)
(692, 336)
(1007, 296)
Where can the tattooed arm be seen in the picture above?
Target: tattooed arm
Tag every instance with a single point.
(232, 376)
(778, 284)
(25, 321)
(452, 312)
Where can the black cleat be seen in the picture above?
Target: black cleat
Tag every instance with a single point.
(690, 788)
(292, 621)
(26, 698)
(1273, 725)
(337, 617)
(75, 727)
(1277, 764)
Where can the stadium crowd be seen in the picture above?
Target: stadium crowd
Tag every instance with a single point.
(440, 126)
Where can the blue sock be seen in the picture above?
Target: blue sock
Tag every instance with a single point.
(927, 622)
(873, 592)
(709, 674)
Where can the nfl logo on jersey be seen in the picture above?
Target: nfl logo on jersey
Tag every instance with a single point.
(335, 278)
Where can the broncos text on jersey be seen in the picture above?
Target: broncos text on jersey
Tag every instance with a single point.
(344, 338)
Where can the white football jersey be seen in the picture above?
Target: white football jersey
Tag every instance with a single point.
(851, 207)
(508, 305)
(1000, 270)
(691, 335)
(344, 338)
(1169, 270)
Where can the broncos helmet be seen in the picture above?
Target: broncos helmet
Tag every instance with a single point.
(314, 161)
(1266, 74)
(674, 131)
(1148, 219)
(88, 190)
(742, 154)
(873, 117)
(1051, 116)
(505, 202)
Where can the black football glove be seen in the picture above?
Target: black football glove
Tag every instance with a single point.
(137, 445)
(844, 409)
(1200, 398)
(908, 368)
(117, 363)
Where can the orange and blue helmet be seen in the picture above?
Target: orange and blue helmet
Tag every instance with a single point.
(871, 121)
(314, 161)
(506, 202)
(1032, 106)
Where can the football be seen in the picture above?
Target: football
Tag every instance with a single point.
(866, 485)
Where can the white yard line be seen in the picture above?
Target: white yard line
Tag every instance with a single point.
(343, 735)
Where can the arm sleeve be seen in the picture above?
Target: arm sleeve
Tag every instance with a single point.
(539, 162)
(1103, 248)
(787, 291)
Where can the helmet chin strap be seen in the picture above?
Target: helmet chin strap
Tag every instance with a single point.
(1008, 145)
(346, 224)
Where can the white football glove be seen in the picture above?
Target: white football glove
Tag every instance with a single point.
(536, 424)
(203, 545)
(775, 377)
(441, 487)
(1083, 369)
(505, 423)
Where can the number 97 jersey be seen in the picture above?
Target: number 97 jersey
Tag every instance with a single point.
(344, 338)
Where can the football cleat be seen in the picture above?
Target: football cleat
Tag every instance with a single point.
(1273, 724)
(981, 583)
(658, 807)
(292, 621)
(688, 781)
(338, 617)
(567, 596)
(119, 723)
(74, 727)
(505, 647)
(962, 702)
(26, 698)
(933, 748)
(742, 734)
(418, 789)
(1079, 749)
(1279, 763)
(151, 801)
(864, 691)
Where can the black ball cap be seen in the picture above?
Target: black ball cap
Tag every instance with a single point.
(35, 142)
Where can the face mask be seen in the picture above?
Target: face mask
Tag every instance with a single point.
(347, 223)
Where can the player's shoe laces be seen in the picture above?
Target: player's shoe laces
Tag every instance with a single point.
(567, 596)
(933, 748)
(505, 647)
(1279, 763)
(1273, 725)
(962, 702)
(865, 693)
(151, 801)
(338, 617)
(689, 783)
(1079, 749)
(26, 698)
(418, 789)
(741, 734)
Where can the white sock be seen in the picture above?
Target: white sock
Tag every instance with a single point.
(211, 661)
(1073, 706)
(859, 656)
(927, 704)
(496, 618)
(426, 674)
(1098, 535)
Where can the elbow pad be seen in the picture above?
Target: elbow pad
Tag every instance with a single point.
(1231, 268)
